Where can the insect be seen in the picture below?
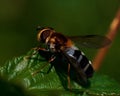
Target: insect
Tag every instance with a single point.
(62, 47)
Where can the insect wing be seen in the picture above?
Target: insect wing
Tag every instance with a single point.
(91, 41)
(79, 70)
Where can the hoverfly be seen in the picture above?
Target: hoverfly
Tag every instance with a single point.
(62, 47)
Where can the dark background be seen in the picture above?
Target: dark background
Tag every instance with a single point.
(19, 19)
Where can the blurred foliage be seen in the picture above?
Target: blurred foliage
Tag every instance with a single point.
(10, 89)
(19, 18)
(20, 72)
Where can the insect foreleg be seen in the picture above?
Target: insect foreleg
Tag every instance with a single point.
(50, 60)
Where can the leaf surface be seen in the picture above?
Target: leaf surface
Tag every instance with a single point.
(20, 71)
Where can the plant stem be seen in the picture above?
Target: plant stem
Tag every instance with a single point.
(97, 61)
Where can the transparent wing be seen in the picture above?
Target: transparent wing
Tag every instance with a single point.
(91, 41)
(79, 72)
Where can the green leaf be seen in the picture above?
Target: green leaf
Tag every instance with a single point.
(23, 71)
(103, 85)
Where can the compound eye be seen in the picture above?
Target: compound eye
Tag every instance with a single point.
(43, 35)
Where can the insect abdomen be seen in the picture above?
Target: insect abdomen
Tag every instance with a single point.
(82, 60)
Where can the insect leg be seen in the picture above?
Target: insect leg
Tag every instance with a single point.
(68, 77)
(50, 60)
(37, 71)
(36, 50)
